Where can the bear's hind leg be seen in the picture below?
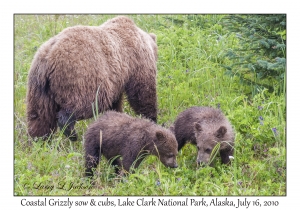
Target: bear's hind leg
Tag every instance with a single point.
(91, 162)
(129, 162)
(123, 165)
(66, 122)
(91, 159)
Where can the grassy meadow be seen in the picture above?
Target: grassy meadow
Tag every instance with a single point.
(192, 51)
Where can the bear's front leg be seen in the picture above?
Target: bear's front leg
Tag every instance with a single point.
(141, 95)
(118, 166)
(225, 155)
(129, 161)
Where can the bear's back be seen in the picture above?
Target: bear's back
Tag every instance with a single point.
(120, 129)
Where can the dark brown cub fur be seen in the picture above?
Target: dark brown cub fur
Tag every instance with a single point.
(128, 137)
(205, 127)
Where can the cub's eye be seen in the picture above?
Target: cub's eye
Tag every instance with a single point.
(208, 150)
(33, 116)
(170, 155)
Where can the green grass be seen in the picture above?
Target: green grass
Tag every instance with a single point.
(191, 53)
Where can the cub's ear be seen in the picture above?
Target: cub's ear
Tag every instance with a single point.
(221, 132)
(160, 136)
(153, 36)
(172, 129)
(197, 127)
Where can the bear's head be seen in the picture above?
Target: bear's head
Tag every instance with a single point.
(165, 148)
(207, 138)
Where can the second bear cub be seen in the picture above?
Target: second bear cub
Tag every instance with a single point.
(130, 138)
(205, 127)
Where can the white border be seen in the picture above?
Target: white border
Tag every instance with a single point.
(8, 8)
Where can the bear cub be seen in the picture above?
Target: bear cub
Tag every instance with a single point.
(131, 139)
(205, 127)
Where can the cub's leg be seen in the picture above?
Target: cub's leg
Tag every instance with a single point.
(91, 159)
(225, 155)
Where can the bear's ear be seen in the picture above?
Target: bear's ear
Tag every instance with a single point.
(221, 132)
(197, 127)
(153, 36)
(160, 136)
(172, 129)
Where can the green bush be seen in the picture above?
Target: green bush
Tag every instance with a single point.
(260, 56)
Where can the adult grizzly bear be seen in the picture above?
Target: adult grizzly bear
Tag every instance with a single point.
(205, 127)
(70, 69)
(128, 137)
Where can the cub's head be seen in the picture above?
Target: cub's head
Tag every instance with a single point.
(207, 138)
(165, 148)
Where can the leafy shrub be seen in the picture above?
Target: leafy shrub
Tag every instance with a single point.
(260, 56)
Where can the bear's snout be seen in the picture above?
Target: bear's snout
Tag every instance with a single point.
(175, 165)
(201, 163)
(169, 162)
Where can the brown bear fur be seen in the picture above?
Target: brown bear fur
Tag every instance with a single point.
(131, 138)
(69, 68)
(205, 127)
